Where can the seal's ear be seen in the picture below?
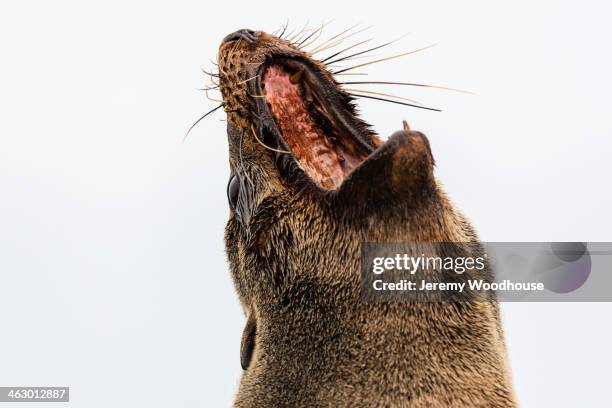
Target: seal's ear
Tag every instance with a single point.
(247, 343)
(399, 170)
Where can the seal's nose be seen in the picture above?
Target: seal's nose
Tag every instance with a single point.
(244, 34)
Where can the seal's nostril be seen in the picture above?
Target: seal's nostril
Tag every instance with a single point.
(244, 34)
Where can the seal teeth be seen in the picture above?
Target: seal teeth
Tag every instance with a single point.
(295, 78)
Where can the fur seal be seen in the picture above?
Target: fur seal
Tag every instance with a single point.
(309, 182)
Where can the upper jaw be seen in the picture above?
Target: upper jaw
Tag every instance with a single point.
(334, 111)
(337, 102)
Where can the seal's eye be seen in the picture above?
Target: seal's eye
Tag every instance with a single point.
(233, 188)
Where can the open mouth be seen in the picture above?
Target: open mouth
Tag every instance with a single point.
(314, 121)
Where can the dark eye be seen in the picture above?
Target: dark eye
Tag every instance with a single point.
(233, 188)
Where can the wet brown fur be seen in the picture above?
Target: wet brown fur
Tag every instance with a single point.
(294, 255)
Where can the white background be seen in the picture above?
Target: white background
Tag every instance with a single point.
(113, 279)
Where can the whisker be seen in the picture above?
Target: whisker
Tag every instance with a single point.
(384, 59)
(350, 73)
(346, 49)
(235, 46)
(213, 81)
(209, 73)
(314, 40)
(366, 51)
(246, 173)
(358, 57)
(302, 35)
(284, 29)
(336, 36)
(211, 99)
(266, 146)
(397, 102)
(383, 94)
(299, 45)
(275, 32)
(304, 30)
(445, 88)
(289, 34)
(293, 37)
(208, 88)
(199, 120)
(339, 41)
(247, 80)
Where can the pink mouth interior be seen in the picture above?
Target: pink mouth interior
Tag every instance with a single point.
(326, 159)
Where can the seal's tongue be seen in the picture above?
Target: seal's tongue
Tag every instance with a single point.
(327, 157)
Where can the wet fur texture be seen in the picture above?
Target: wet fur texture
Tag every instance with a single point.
(294, 254)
